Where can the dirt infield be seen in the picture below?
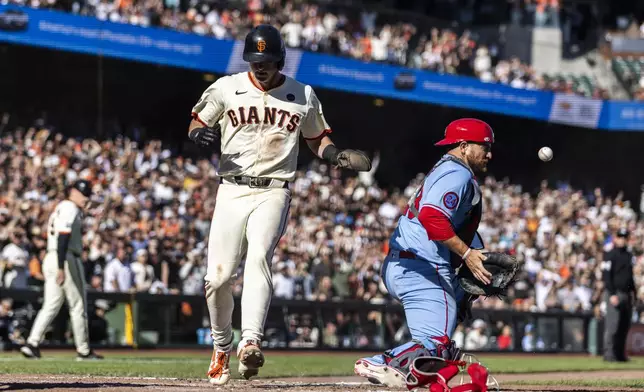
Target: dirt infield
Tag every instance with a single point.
(60, 383)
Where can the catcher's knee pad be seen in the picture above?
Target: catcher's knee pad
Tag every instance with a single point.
(403, 359)
(446, 348)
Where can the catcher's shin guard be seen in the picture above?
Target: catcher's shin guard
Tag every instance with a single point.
(390, 368)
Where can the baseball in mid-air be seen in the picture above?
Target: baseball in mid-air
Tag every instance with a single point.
(545, 154)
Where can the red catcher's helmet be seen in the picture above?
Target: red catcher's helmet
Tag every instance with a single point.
(467, 130)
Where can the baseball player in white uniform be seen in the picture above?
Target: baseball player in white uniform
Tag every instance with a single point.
(257, 117)
(64, 276)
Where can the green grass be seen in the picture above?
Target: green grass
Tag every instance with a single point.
(597, 383)
(541, 364)
(187, 365)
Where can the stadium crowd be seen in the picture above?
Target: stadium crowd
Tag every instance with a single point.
(349, 31)
(148, 226)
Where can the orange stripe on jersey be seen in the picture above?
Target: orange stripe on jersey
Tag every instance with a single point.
(196, 117)
(320, 136)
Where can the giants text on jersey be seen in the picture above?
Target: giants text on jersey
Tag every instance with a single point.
(260, 129)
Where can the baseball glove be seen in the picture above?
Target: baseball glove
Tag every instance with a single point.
(354, 160)
(503, 268)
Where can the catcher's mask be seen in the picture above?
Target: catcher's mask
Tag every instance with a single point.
(469, 359)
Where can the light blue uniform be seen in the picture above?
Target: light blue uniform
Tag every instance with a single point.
(426, 285)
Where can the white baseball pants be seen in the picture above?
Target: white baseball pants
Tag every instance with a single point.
(73, 289)
(247, 221)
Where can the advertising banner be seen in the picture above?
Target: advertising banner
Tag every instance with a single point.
(397, 82)
(62, 31)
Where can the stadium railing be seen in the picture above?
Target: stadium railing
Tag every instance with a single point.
(143, 320)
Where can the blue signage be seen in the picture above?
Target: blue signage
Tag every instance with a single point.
(622, 115)
(403, 83)
(63, 31)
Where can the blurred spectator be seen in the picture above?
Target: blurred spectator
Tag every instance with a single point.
(459, 335)
(283, 282)
(142, 271)
(191, 274)
(476, 339)
(330, 338)
(14, 262)
(118, 275)
(36, 278)
(530, 342)
(505, 341)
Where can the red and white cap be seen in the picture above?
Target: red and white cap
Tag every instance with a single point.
(467, 130)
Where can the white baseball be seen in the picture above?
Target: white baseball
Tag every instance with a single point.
(545, 154)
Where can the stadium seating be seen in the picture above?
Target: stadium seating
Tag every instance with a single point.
(167, 228)
(629, 70)
(580, 84)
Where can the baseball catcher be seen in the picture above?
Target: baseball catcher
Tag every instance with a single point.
(435, 237)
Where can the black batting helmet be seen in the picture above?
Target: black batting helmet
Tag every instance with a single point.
(264, 43)
(83, 186)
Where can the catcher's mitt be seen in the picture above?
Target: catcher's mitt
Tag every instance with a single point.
(503, 268)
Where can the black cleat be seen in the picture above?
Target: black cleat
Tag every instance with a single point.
(91, 356)
(30, 351)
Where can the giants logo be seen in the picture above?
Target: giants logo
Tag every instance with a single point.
(272, 116)
(261, 45)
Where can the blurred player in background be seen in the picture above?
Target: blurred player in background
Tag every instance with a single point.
(64, 275)
(619, 295)
(257, 117)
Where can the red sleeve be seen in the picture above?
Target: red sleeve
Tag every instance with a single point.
(437, 225)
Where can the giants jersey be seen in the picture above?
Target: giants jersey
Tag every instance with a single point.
(66, 219)
(260, 129)
(449, 188)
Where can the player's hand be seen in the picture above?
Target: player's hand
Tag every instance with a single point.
(60, 277)
(614, 300)
(474, 262)
(206, 137)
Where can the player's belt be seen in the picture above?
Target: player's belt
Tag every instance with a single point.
(403, 254)
(254, 182)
